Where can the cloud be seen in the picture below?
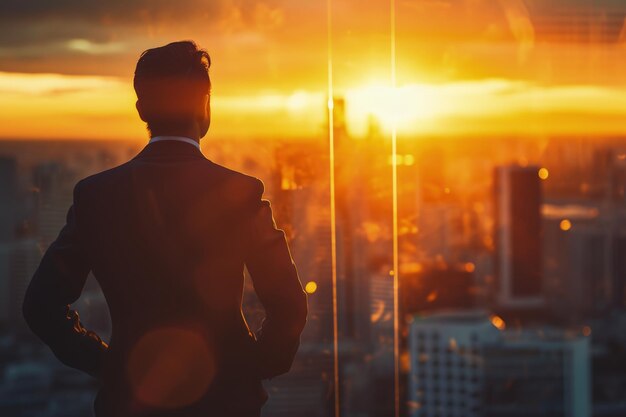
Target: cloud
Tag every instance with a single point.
(46, 84)
(69, 36)
(42, 22)
(88, 47)
(105, 16)
(107, 12)
(261, 42)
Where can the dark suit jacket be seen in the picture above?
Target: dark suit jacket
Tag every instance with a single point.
(167, 236)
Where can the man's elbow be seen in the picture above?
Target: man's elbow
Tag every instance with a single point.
(300, 312)
(294, 315)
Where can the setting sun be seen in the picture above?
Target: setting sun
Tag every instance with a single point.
(403, 106)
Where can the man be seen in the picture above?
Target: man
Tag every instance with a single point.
(167, 236)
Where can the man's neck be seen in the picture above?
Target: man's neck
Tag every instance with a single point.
(188, 133)
(174, 138)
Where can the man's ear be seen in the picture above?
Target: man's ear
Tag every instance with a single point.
(206, 109)
(204, 116)
(139, 108)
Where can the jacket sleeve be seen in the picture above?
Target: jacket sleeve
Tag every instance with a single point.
(57, 283)
(278, 287)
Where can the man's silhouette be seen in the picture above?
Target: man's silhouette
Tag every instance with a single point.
(167, 236)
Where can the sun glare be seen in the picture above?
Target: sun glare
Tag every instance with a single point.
(403, 106)
(458, 107)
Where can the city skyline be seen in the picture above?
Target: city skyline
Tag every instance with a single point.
(447, 251)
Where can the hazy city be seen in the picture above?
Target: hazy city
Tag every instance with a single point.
(506, 233)
(534, 332)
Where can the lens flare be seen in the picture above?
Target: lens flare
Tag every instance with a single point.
(171, 368)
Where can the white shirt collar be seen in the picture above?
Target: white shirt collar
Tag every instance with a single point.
(176, 138)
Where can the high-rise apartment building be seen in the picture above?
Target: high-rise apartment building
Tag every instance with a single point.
(538, 374)
(8, 211)
(446, 373)
(518, 237)
(464, 363)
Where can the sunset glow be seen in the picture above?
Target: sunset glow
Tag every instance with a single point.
(491, 73)
(70, 106)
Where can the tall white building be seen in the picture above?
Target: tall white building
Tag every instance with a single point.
(446, 373)
(463, 363)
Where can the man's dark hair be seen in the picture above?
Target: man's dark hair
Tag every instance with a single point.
(169, 82)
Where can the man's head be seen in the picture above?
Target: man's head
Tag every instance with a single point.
(173, 89)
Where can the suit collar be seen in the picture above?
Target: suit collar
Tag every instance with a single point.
(176, 138)
(165, 148)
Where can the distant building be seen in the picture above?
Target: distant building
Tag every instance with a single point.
(446, 374)
(25, 389)
(436, 288)
(609, 174)
(305, 390)
(518, 237)
(538, 374)
(339, 119)
(5, 279)
(441, 230)
(381, 305)
(300, 205)
(585, 266)
(8, 208)
(464, 364)
(299, 194)
(55, 186)
(609, 369)
(8, 196)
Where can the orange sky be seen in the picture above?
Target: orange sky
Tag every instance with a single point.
(464, 66)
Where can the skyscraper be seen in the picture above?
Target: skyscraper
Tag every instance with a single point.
(518, 237)
(464, 363)
(538, 374)
(54, 184)
(446, 375)
(585, 263)
(8, 209)
(24, 259)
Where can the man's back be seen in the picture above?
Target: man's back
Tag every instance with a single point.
(167, 236)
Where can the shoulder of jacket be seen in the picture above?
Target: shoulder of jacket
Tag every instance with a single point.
(248, 184)
(97, 180)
